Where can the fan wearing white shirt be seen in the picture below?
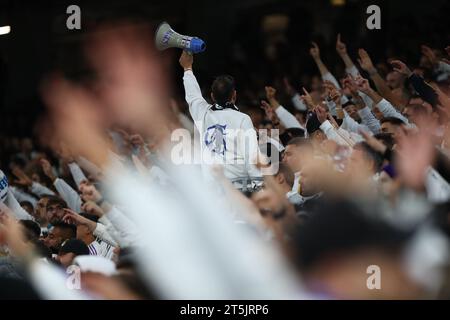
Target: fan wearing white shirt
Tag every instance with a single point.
(225, 132)
(296, 154)
(96, 246)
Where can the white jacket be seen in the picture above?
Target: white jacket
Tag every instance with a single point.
(228, 134)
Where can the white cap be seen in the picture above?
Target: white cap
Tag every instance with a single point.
(3, 186)
(98, 264)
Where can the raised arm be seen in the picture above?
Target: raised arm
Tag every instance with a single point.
(385, 107)
(197, 104)
(341, 49)
(287, 119)
(366, 63)
(67, 193)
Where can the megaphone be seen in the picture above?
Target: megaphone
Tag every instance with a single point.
(166, 37)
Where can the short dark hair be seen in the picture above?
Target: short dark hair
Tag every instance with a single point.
(300, 142)
(89, 216)
(291, 133)
(32, 229)
(348, 103)
(71, 229)
(56, 200)
(312, 123)
(222, 88)
(371, 154)
(393, 120)
(26, 203)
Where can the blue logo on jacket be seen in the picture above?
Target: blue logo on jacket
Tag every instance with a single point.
(215, 138)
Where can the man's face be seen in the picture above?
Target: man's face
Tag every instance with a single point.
(54, 239)
(55, 212)
(353, 112)
(388, 127)
(394, 80)
(294, 157)
(41, 209)
(66, 259)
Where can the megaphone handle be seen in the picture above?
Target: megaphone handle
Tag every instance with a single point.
(189, 52)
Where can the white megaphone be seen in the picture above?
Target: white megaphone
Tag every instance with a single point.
(166, 37)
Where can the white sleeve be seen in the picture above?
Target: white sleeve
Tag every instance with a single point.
(388, 110)
(17, 210)
(331, 107)
(332, 134)
(353, 71)
(89, 167)
(443, 67)
(197, 104)
(349, 124)
(77, 173)
(127, 232)
(329, 77)
(23, 196)
(68, 194)
(369, 120)
(40, 189)
(298, 103)
(438, 189)
(367, 100)
(287, 119)
(104, 233)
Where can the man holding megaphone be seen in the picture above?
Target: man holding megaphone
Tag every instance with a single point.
(224, 130)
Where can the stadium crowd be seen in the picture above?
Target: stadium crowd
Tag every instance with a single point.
(299, 201)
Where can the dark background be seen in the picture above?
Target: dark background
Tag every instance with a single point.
(257, 41)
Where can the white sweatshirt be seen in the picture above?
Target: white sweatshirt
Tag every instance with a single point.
(228, 134)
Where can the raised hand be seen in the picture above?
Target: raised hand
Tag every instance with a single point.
(429, 54)
(270, 114)
(350, 84)
(90, 193)
(365, 62)
(307, 99)
(22, 179)
(186, 60)
(288, 87)
(321, 113)
(415, 153)
(341, 48)
(92, 208)
(314, 51)
(401, 67)
(376, 144)
(47, 168)
(71, 217)
(332, 92)
(362, 84)
(270, 93)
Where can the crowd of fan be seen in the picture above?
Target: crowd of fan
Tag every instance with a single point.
(96, 209)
